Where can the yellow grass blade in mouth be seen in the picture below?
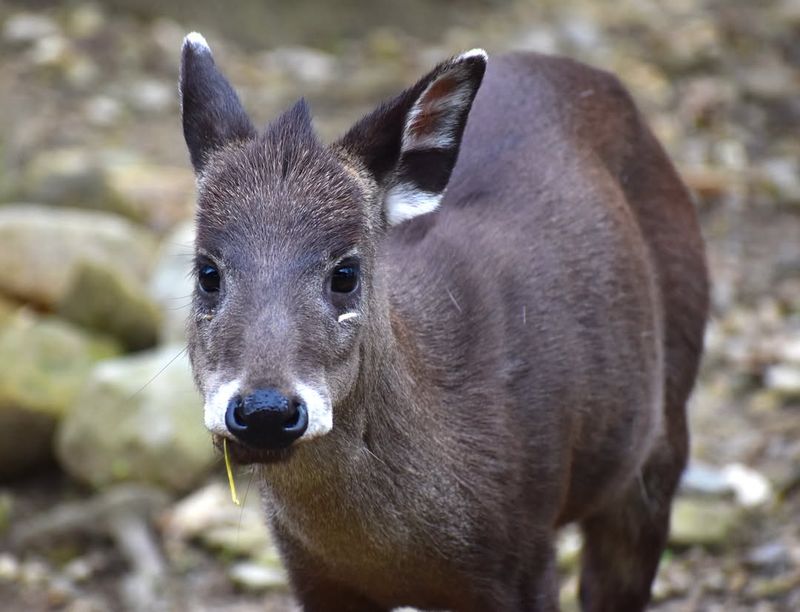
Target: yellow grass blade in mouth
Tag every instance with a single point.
(232, 484)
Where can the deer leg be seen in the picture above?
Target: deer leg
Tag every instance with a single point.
(623, 542)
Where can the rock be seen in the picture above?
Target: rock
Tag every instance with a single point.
(700, 478)
(9, 567)
(772, 555)
(258, 577)
(101, 301)
(171, 284)
(85, 20)
(781, 175)
(208, 516)
(770, 77)
(102, 110)
(110, 180)
(139, 418)
(750, 487)
(309, 66)
(45, 363)
(783, 378)
(24, 28)
(41, 247)
(69, 177)
(159, 196)
(703, 522)
(152, 96)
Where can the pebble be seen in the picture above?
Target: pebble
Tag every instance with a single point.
(9, 567)
(103, 111)
(783, 175)
(769, 555)
(256, 577)
(703, 522)
(28, 28)
(783, 378)
(750, 487)
(152, 96)
(303, 63)
(704, 479)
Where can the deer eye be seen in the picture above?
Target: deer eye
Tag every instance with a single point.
(208, 278)
(344, 278)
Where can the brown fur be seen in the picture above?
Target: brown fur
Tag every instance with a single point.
(523, 360)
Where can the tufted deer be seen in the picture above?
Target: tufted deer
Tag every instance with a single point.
(473, 319)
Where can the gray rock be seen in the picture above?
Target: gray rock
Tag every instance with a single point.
(25, 28)
(151, 95)
(171, 284)
(704, 479)
(9, 567)
(45, 363)
(69, 177)
(110, 180)
(209, 516)
(41, 247)
(102, 301)
(302, 63)
(703, 521)
(771, 555)
(750, 487)
(782, 175)
(159, 196)
(139, 418)
(783, 378)
(258, 577)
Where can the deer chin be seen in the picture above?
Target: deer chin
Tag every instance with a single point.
(241, 454)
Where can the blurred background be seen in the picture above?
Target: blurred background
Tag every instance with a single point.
(111, 497)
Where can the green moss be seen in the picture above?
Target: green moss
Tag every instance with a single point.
(45, 364)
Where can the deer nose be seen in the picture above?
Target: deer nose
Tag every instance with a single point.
(266, 419)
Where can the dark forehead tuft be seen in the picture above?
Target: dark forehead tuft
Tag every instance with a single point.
(283, 181)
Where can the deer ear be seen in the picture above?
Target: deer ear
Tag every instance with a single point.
(212, 113)
(410, 144)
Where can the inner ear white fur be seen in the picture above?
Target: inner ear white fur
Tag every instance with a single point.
(431, 122)
(434, 124)
(405, 201)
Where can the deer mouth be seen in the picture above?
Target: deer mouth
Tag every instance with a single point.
(241, 454)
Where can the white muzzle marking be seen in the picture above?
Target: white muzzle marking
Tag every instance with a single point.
(217, 405)
(317, 402)
(320, 411)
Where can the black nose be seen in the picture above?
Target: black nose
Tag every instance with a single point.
(266, 419)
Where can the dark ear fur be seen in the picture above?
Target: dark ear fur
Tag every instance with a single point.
(211, 110)
(410, 144)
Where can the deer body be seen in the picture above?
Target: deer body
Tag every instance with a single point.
(516, 360)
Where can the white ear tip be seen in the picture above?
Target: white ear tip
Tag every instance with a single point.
(473, 53)
(197, 41)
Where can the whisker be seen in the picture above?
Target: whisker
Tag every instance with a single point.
(453, 299)
(366, 448)
(244, 502)
(157, 374)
